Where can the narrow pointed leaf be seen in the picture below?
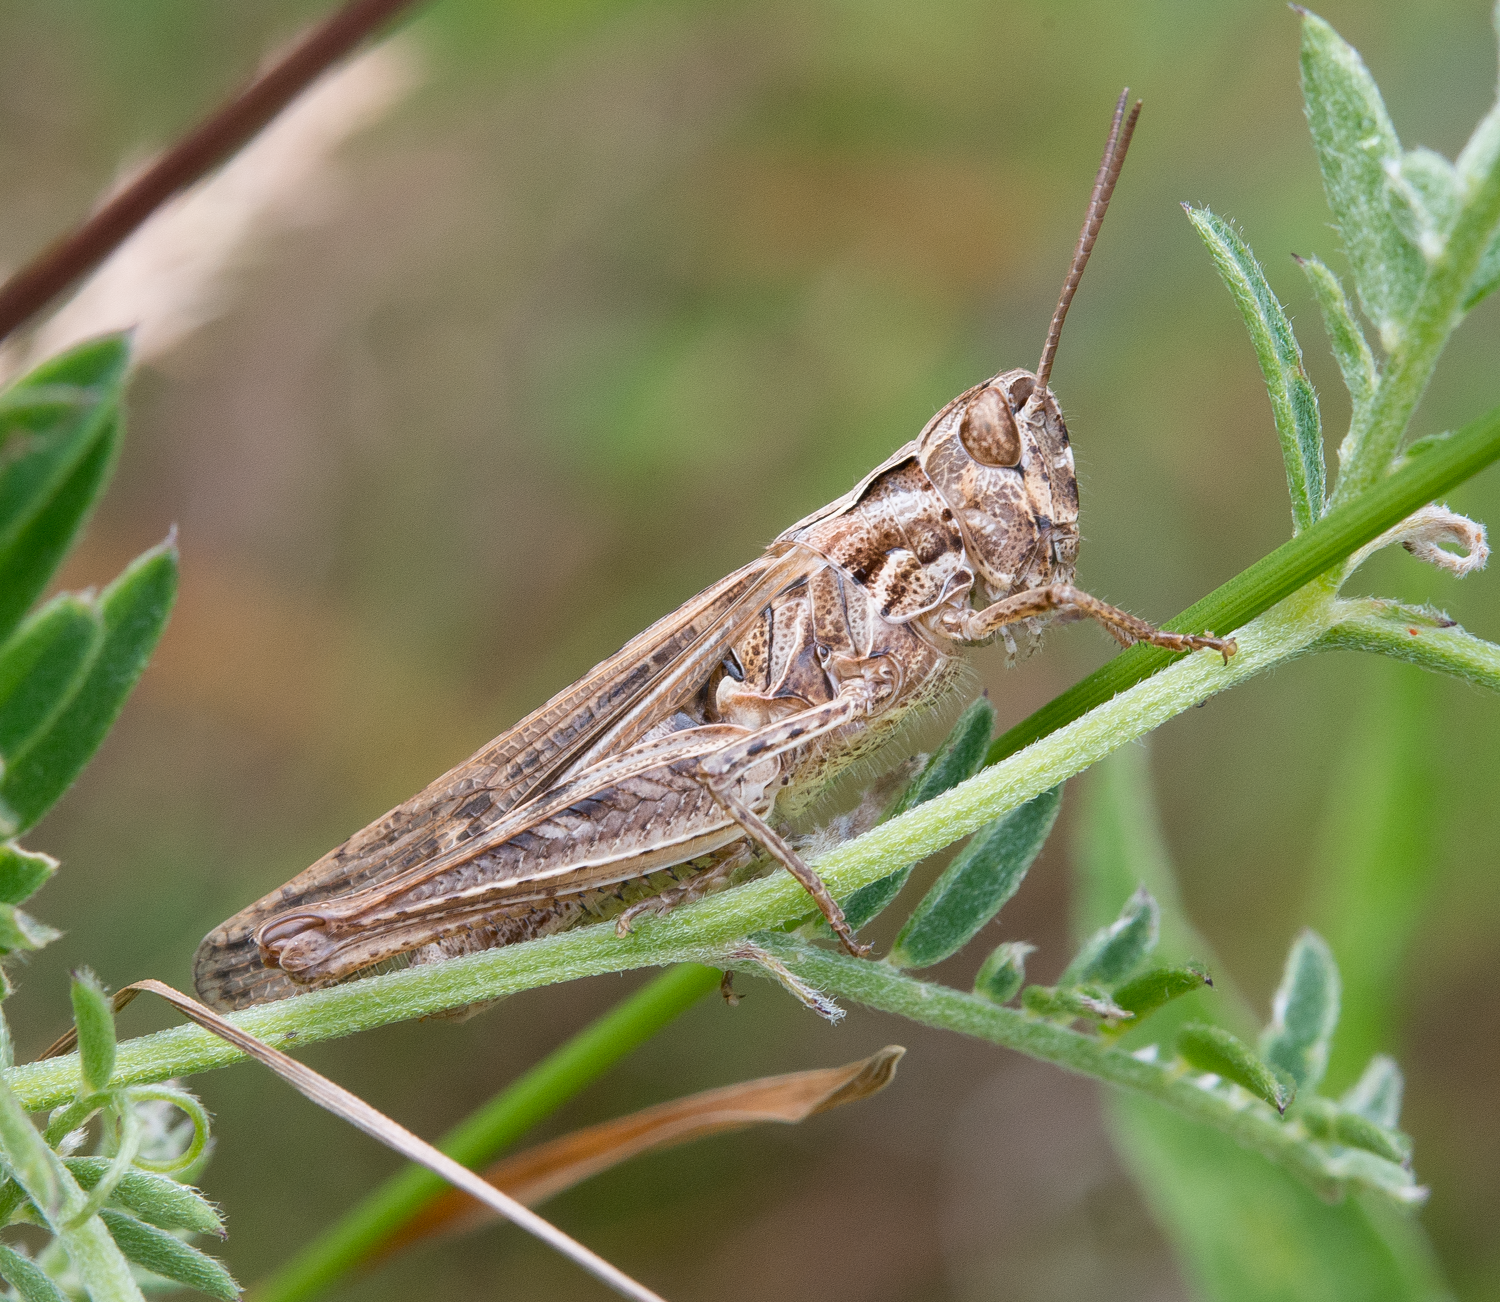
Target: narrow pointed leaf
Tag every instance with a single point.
(1357, 151)
(22, 872)
(1144, 994)
(35, 1167)
(30, 1281)
(982, 876)
(1356, 361)
(1112, 953)
(94, 1016)
(42, 665)
(157, 1199)
(1487, 277)
(1332, 1124)
(1304, 1013)
(1210, 1049)
(1294, 405)
(1065, 1003)
(959, 757)
(59, 430)
(1003, 973)
(165, 1255)
(546, 1170)
(133, 611)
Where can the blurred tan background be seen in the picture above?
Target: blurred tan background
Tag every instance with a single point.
(607, 297)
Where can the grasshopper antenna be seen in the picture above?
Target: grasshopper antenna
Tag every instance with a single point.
(1120, 132)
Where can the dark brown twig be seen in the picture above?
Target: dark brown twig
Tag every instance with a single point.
(202, 149)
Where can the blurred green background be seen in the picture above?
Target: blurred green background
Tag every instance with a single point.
(613, 296)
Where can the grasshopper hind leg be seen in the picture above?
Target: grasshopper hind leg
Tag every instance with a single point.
(711, 879)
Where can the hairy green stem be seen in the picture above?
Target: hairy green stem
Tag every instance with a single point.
(878, 985)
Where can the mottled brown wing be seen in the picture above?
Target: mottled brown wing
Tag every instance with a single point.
(603, 713)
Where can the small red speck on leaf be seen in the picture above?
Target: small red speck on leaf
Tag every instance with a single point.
(1412, 631)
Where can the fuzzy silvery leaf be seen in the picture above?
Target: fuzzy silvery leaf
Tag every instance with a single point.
(22, 872)
(168, 1256)
(1112, 953)
(1065, 1003)
(1304, 1012)
(1424, 199)
(133, 611)
(1376, 1095)
(19, 931)
(959, 757)
(30, 1282)
(1358, 152)
(157, 1199)
(972, 889)
(57, 456)
(1488, 275)
(1294, 405)
(94, 1016)
(1211, 1049)
(1003, 973)
(1356, 362)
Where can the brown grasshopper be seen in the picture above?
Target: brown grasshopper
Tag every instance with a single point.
(657, 775)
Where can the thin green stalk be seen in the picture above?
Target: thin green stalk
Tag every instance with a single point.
(492, 1127)
(1295, 563)
(878, 985)
(702, 932)
(1389, 629)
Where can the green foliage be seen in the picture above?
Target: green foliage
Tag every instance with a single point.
(1143, 995)
(94, 1016)
(31, 1283)
(1304, 1013)
(168, 1256)
(1003, 973)
(1294, 405)
(959, 757)
(150, 1197)
(1112, 953)
(972, 889)
(1212, 1049)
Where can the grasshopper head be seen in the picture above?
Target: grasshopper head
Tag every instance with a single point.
(999, 456)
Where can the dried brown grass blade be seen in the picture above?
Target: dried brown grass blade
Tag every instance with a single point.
(538, 1173)
(354, 1110)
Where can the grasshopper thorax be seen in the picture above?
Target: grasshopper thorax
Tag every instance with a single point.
(999, 457)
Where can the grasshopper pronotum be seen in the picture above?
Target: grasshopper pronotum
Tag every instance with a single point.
(656, 775)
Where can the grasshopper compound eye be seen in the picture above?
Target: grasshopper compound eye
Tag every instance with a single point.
(989, 432)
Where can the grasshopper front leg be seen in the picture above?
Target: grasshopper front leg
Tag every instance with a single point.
(720, 772)
(1063, 598)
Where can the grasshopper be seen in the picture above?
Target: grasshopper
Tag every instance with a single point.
(668, 768)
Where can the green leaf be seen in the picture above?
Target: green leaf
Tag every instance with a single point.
(157, 1199)
(1003, 973)
(169, 1257)
(1112, 953)
(1304, 1013)
(1210, 1049)
(1329, 1122)
(982, 876)
(55, 458)
(1376, 1095)
(1358, 152)
(1487, 276)
(1144, 994)
(1356, 362)
(42, 665)
(35, 1167)
(22, 872)
(133, 611)
(94, 1016)
(959, 757)
(30, 1281)
(20, 931)
(1294, 405)
(1065, 1003)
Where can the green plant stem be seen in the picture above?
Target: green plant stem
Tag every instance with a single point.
(492, 1127)
(878, 985)
(1372, 624)
(705, 931)
(1295, 563)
